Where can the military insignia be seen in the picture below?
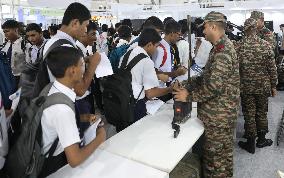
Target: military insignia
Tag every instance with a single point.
(219, 48)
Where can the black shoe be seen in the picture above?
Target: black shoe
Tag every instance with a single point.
(263, 143)
(249, 146)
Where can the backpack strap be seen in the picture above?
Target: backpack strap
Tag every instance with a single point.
(46, 89)
(165, 56)
(56, 44)
(125, 59)
(135, 60)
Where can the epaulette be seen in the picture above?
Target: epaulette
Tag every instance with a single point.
(219, 48)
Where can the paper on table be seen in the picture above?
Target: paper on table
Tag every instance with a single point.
(91, 133)
(104, 68)
(152, 106)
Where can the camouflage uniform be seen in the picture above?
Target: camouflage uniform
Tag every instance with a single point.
(217, 92)
(258, 76)
(264, 33)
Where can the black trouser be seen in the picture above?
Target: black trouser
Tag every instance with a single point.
(96, 90)
(52, 164)
(140, 109)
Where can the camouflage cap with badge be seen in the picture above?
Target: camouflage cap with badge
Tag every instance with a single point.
(256, 15)
(215, 17)
(250, 23)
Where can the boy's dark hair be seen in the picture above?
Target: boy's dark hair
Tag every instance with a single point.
(184, 26)
(10, 24)
(111, 31)
(104, 28)
(33, 27)
(153, 22)
(92, 26)
(282, 25)
(62, 57)
(124, 32)
(117, 25)
(76, 11)
(172, 27)
(127, 22)
(53, 29)
(167, 19)
(46, 34)
(149, 35)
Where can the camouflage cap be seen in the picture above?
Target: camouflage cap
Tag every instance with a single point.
(250, 23)
(256, 15)
(214, 17)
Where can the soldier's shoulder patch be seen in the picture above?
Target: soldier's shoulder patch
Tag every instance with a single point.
(219, 48)
(266, 31)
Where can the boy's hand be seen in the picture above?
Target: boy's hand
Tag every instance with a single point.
(95, 59)
(163, 77)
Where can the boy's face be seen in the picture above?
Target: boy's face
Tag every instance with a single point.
(34, 37)
(78, 71)
(80, 29)
(151, 48)
(174, 37)
(11, 33)
(92, 37)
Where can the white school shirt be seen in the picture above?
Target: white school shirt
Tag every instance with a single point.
(59, 35)
(84, 50)
(158, 57)
(202, 55)
(59, 121)
(18, 56)
(183, 49)
(32, 52)
(143, 73)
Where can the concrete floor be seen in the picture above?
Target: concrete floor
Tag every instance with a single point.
(266, 161)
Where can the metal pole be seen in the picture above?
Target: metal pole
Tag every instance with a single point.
(13, 8)
(189, 41)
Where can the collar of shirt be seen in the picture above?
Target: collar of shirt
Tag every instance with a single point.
(165, 43)
(221, 41)
(38, 48)
(82, 47)
(139, 50)
(62, 35)
(18, 41)
(63, 89)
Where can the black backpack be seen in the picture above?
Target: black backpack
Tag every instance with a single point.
(25, 158)
(42, 77)
(118, 96)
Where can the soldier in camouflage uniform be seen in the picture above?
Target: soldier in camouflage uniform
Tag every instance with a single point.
(258, 81)
(263, 32)
(217, 92)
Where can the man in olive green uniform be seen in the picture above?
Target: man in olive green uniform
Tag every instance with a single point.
(217, 92)
(258, 82)
(263, 32)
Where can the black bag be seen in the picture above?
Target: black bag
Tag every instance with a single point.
(42, 78)
(118, 96)
(25, 158)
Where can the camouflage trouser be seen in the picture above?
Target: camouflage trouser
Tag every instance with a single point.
(218, 153)
(255, 108)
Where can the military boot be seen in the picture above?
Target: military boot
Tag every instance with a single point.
(249, 145)
(262, 141)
